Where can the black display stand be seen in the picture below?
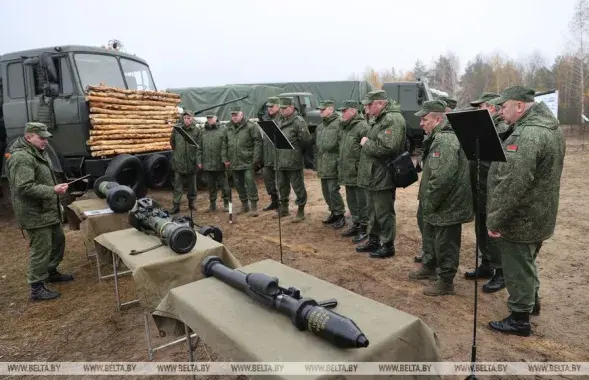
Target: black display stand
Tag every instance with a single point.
(480, 142)
(190, 141)
(279, 140)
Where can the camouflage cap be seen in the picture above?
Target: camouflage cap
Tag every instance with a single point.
(519, 93)
(286, 102)
(235, 109)
(431, 106)
(39, 129)
(374, 95)
(484, 98)
(324, 104)
(210, 116)
(450, 102)
(349, 104)
(273, 101)
(187, 112)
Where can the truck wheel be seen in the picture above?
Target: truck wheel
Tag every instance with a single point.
(213, 232)
(156, 169)
(127, 170)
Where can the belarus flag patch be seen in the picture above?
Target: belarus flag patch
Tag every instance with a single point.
(436, 154)
(511, 148)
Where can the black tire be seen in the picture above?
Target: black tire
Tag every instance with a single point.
(213, 232)
(156, 169)
(127, 170)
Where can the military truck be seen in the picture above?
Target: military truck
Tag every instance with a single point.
(61, 75)
(410, 96)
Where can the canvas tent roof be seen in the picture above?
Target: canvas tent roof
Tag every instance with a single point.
(197, 98)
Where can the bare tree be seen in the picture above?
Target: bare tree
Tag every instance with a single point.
(579, 28)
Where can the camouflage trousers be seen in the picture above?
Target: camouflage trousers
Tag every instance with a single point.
(356, 199)
(270, 181)
(443, 244)
(180, 182)
(47, 246)
(218, 180)
(426, 244)
(296, 179)
(520, 271)
(332, 196)
(490, 252)
(381, 214)
(245, 185)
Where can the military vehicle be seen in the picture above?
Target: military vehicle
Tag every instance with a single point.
(410, 96)
(61, 74)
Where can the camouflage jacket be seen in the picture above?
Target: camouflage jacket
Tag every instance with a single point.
(184, 155)
(296, 131)
(386, 139)
(502, 129)
(268, 146)
(31, 179)
(212, 151)
(524, 191)
(244, 144)
(444, 191)
(351, 132)
(327, 146)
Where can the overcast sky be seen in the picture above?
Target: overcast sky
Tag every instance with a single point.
(209, 43)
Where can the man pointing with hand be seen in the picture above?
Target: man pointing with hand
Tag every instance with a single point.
(35, 201)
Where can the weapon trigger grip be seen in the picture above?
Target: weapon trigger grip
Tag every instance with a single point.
(328, 304)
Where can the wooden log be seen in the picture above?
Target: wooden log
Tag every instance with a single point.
(98, 121)
(146, 131)
(157, 145)
(111, 152)
(128, 115)
(123, 136)
(124, 127)
(125, 91)
(101, 99)
(133, 108)
(132, 96)
(149, 140)
(158, 113)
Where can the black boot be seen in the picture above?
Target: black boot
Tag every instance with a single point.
(370, 245)
(59, 277)
(40, 293)
(496, 283)
(175, 209)
(514, 324)
(362, 234)
(536, 309)
(483, 271)
(385, 250)
(330, 219)
(353, 230)
(273, 204)
(339, 222)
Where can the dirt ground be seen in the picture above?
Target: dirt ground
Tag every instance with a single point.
(83, 325)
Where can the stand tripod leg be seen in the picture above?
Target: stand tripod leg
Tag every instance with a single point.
(279, 200)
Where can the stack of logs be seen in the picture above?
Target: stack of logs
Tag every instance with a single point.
(130, 121)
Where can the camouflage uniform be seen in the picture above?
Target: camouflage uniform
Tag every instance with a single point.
(290, 162)
(326, 159)
(37, 210)
(523, 203)
(450, 102)
(269, 158)
(212, 155)
(446, 201)
(386, 139)
(184, 164)
(244, 151)
(351, 133)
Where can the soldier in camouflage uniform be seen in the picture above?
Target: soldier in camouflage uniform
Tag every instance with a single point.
(446, 199)
(451, 103)
(352, 129)
(290, 162)
(212, 159)
(244, 151)
(184, 162)
(326, 158)
(36, 204)
(491, 258)
(269, 156)
(523, 200)
(384, 140)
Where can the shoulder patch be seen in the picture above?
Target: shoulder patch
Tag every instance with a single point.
(511, 148)
(436, 154)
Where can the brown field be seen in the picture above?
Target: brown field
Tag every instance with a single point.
(84, 325)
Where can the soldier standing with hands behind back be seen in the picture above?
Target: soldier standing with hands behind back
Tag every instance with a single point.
(35, 201)
(184, 162)
(269, 156)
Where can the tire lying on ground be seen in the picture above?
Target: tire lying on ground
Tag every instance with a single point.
(156, 169)
(213, 232)
(127, 170)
